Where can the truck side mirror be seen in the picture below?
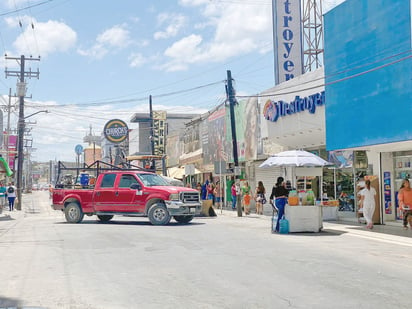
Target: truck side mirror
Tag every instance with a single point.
(136, 186)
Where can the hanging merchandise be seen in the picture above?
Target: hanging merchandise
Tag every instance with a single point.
(293, 199)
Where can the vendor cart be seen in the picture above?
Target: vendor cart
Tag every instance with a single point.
(302, 218)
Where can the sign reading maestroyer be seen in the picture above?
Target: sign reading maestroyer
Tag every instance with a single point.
(287, 34)
(272, 110)
(116, 130)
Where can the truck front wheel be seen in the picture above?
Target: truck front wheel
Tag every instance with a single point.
(73, 213)
(183, 219)
(158, 214)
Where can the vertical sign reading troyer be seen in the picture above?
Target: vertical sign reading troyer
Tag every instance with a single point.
(287, 39)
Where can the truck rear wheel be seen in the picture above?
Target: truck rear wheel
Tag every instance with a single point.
(183, 219)
(158, 214)
(73, 213)
(105, 218)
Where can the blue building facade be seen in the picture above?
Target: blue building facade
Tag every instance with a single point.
(368, 90)
(368, 73)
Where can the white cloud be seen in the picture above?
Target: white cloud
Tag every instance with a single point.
(46, 38)
(116, 37)
(193, 2)
(14, 22)
(330, 4)
(74, 121)
(137, 60)
(239, 29)
(175, 23)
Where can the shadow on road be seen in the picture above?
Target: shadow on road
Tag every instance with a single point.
(6, 218)
(9, 302)
(384, 230)
(137, 223)
(324, 232)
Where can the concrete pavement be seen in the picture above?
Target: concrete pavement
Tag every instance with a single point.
(387, 233)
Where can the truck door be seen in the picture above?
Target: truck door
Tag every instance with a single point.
(105, 194)
(132, 199)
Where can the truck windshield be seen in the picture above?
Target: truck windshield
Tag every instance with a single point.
(151, 180)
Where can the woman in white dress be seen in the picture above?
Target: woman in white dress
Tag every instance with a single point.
(368, 203)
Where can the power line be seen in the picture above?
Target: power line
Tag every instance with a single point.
(25, 8)
(131, 100)
(329, 83)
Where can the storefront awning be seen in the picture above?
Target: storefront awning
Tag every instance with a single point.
(191, 157)
(179, 172)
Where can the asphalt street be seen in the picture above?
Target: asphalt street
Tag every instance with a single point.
(221, 262)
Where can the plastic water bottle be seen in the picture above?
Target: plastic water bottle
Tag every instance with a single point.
(274, 221)
(283, 226)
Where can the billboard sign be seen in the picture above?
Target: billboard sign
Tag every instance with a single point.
(116, 131)
(287, 39)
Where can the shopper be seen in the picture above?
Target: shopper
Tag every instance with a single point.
(2, 195)
(405, 201)
(11, 195)
(199, 187)
(368, 203)
(204, 190)
(210, 188)
(260, 198)
(280, 194)
(233, 194)
(218, 193)
(246, 197)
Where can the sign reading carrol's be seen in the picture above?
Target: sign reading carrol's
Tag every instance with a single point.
(116, 130)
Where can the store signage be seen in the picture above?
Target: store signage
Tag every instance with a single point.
(116, 130)
(387, 192)
(273, 110)
(288, 45)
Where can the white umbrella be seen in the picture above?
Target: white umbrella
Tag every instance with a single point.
(294, 158)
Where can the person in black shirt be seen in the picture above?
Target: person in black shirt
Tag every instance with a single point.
(280, 194)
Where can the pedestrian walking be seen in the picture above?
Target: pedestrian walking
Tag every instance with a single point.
(3, 190)
(260, 198)
(233, 193)
(218, 193)
(405, 201)
(210, 191)
(280, 194)
(11, 195)
(246, 197)
(368, 203)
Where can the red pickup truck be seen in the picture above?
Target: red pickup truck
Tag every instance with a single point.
(131, 193)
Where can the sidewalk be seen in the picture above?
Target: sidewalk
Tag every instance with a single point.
(387, 233)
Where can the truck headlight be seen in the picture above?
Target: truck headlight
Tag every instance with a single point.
(174, 197)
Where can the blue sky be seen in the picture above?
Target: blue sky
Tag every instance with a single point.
(102, 59)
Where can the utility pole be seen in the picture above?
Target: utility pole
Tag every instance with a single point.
(21, 92)
(232, 103)
(153, 166)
